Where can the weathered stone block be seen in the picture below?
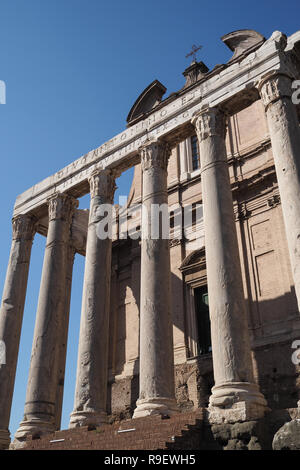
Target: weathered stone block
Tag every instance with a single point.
(288, 436)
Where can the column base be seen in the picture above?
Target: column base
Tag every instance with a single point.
(4, 439)
(155, 406)
(236, 401)
(87, 418)
(35, 427)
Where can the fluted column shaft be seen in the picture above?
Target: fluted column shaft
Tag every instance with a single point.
(92, 366)
(233, 370)
(11, 315)
(39, 413)
(276, 90)
(157, 391)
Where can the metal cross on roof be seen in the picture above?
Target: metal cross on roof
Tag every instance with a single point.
(193, 51)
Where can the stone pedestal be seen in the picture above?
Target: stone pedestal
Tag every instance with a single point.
(11, 315)
(92, 367)
(235, 392)
(39, 413)
(276, 90)
(157, 390)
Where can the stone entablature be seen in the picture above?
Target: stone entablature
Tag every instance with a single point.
(168, 120)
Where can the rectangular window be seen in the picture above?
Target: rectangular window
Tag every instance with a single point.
(195, 153)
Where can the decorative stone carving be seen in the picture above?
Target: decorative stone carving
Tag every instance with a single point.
(102, 184)
(273, 87)
(23, 227)
(209, 122)
(61, 206)
(155, 154)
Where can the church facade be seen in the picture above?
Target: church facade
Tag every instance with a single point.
(206, 317)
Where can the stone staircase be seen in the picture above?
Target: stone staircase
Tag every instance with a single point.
(179, 432)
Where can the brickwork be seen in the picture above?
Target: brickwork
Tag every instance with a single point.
(183, 431)
(180, 431)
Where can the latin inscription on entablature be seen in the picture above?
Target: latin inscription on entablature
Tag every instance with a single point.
(167, 121)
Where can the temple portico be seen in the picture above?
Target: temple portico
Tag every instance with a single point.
(262, 70)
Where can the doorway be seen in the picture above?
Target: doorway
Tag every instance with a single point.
(203, 320)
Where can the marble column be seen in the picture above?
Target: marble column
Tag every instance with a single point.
(157, 390)
(92, 366)
(11, 314)
(39, 413)
(64, 337)
(276, 90)
(235, 396)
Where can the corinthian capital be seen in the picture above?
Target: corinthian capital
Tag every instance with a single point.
(61, 206)
(274, 86)
(23, 227)
(155, 155)
(102, 184)
(209, 122)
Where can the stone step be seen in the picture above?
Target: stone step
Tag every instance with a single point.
(150, 433)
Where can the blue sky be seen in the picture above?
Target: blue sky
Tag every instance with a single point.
(73, 69)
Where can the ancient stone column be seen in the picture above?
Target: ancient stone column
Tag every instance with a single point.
(64, 338)
(40, 406)
(11, 315)
(157, 390)
(92, 366)
(235, 396)
(276, 90)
